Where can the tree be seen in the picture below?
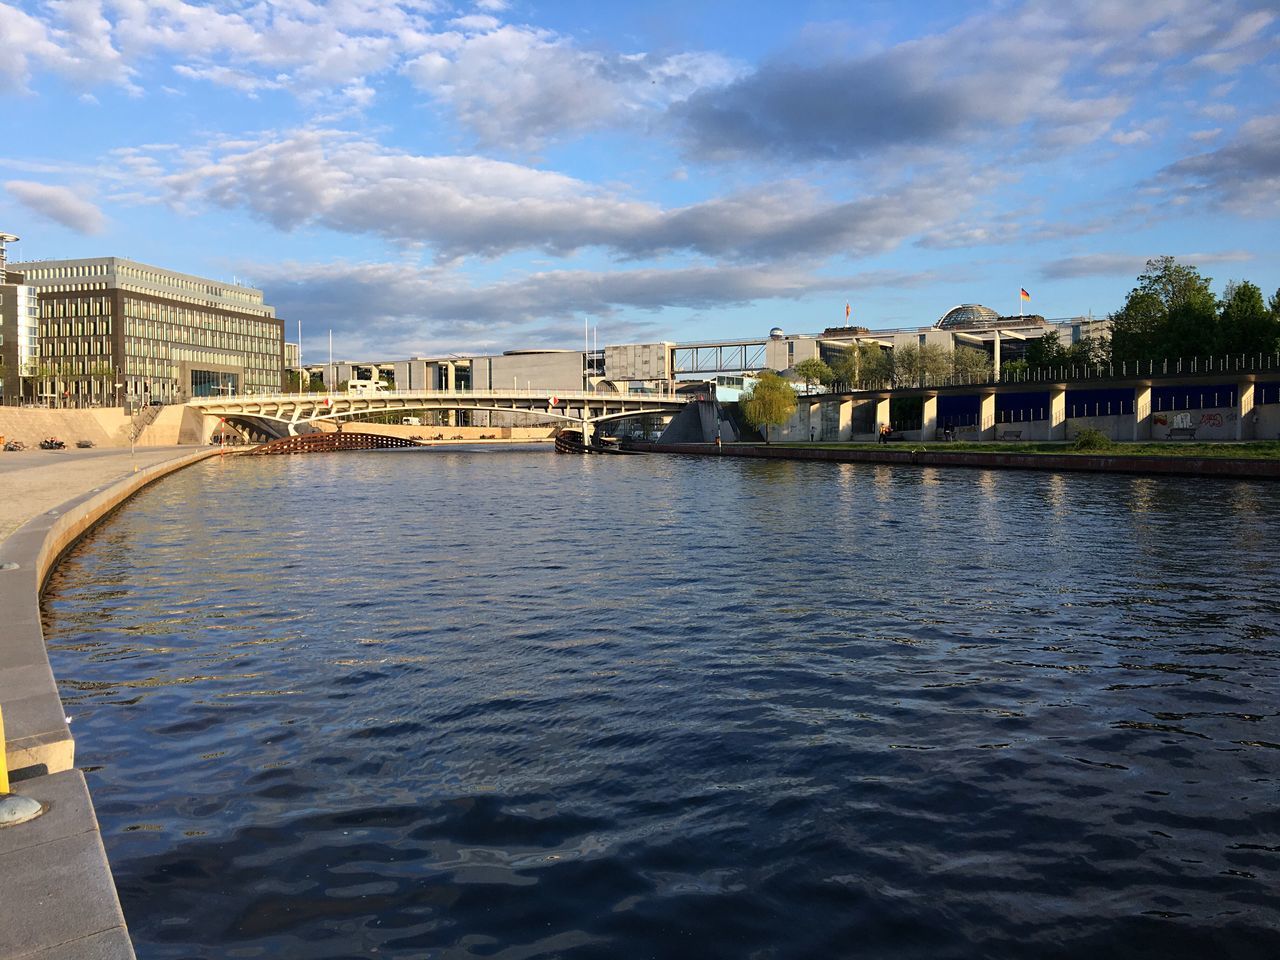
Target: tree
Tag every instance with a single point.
(1245, 324)
(875, 365)
(811, 371)
(1046, 351)
(1088, 351)
(970, 365)
(1171, 313)
(920, 365)
(844, 368)
(770, 403)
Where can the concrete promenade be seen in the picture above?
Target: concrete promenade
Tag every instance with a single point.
(57, 896)
(902, 454)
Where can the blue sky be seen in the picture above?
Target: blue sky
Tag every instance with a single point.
(426, 177)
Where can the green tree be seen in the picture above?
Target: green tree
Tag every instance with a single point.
(1171, 313)
(875, 365)
(970, 366)
(770, 402)
(920, 365)
(1245, 324)
(844, 367)
(1046, 351)
(1088, 351)
(811, 371)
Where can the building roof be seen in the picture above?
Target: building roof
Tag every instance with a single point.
(966, 316)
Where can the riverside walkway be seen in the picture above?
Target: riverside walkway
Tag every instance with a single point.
(57, 897)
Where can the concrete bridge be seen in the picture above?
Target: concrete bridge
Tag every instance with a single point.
(283, 414)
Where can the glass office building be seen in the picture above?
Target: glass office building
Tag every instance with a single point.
(112, 330)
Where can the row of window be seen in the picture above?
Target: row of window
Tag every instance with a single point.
(76, 328)
(148, 310)
(90, 347)
(168, 351)
(75, 307)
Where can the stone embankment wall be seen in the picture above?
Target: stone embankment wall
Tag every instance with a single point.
(106, 427)
(1214, 423)
(935, 457)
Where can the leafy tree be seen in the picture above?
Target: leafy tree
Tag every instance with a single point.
(1088, 351)
(813, 370)
(770, 403)
(1014, 369)
(844, 367)
(970, 365)
(920, 365)
(1171, 313)
(1046, 351)
(875, 365)
(1246, 325)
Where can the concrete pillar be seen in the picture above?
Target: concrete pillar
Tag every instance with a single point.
(987, 416)
(929, 418)
(1142, 412)
(844, 420)
(1057, 412)
(995, 359)
(881, 415)
(1246, 428)
(450, 385)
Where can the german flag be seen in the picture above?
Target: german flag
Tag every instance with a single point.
(1025, 295)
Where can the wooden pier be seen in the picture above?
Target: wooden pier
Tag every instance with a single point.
(324, 442)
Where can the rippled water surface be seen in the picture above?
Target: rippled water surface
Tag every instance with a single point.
(508, 704)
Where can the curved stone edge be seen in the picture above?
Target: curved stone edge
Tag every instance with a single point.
(58, 900)
(37, 737)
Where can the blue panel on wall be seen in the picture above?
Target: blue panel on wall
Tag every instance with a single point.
(1195, 397)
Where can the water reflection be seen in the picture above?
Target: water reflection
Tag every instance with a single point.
(527, 705)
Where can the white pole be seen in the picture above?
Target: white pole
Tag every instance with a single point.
(329, 381)
(300, 370)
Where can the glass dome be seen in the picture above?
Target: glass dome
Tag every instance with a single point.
(967, 316)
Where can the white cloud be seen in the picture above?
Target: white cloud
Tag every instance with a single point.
(1126, 264)
(58, 204)
(474, 206)
(1130, 138)
(517, 86)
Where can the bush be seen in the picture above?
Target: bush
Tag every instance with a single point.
(1091, 439)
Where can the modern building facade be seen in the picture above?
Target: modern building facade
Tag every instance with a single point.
(19, 320)
(112, 329)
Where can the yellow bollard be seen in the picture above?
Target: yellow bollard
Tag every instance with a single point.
(4, 763)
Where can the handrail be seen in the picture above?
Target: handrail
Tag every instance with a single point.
(1226, 366)
(530, 394)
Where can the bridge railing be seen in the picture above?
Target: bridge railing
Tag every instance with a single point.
(1155, 370)
(534, 393)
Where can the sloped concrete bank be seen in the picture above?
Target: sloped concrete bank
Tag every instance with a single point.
(1240, 468)
(57, 898)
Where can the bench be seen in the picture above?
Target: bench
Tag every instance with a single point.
(1010, 435)
(1182, 433)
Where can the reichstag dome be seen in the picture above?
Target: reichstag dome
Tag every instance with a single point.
(967, 316)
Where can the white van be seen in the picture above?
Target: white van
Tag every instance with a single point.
(411, 421)
(365, 388)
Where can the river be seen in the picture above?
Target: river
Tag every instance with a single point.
(502, 703)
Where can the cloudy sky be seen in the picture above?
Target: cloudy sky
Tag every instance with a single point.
(426, 177)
